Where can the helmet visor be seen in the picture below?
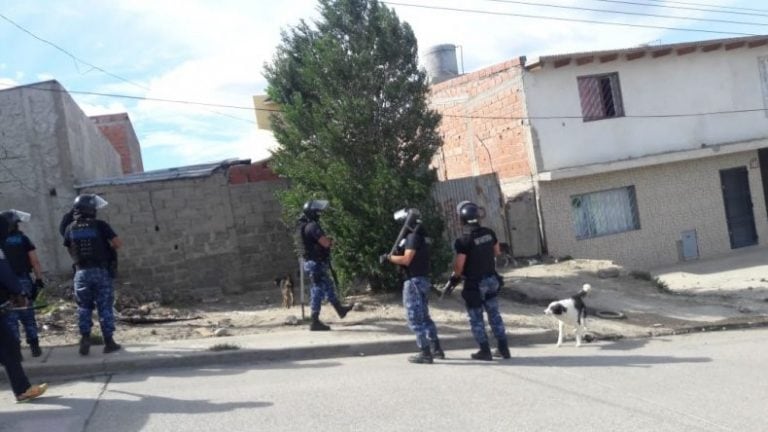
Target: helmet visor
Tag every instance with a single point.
(100, 202)
(318, 205)
(23, 216)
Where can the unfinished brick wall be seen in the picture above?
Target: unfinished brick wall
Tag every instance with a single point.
(484, 131)
(493, 143)
(196, 238)
(118, 130)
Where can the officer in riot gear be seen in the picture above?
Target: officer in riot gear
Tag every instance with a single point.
(20, 253)
(316, 252)
(89, 241)
(474, 262)
(11, 299)
(412, 253)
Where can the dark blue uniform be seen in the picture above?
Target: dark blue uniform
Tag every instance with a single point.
(88, 242)
(17, 247)
(10, 351)
(481, 286)
(416, 292)
(316, 264)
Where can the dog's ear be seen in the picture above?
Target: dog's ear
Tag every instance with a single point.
(277, 281)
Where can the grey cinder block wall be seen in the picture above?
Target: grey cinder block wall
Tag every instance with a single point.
(197, 238)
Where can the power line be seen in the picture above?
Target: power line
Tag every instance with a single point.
(709, 5)
(551, 18)
(123, 96)
(563, 117)
(126, 80)
(684, 8)
(581, 117)
(609, 11)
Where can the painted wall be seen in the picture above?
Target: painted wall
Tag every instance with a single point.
(671, 198)
(697, 82)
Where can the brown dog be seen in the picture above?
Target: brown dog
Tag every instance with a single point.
(285, 284)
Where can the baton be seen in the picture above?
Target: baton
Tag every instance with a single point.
(4, 307)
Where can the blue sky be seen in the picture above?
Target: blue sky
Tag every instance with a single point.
(214, 52)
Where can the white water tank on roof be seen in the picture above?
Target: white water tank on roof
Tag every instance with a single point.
(440, 63)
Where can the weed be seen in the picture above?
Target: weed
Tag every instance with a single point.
(223, 347)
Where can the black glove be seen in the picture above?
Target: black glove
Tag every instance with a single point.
(383, 258)
(454, 280)
(39, 285)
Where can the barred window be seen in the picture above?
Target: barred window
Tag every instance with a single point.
(600, 96)
(606, 212)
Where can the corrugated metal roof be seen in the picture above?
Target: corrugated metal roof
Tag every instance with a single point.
(184, 172)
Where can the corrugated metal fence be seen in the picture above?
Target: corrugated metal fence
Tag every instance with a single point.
(483, 190)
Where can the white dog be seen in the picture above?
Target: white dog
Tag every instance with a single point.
(572, 312)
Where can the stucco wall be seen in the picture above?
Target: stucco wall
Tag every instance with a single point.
(198, 238)
(697, 82)
(671, 198)
(40, 125)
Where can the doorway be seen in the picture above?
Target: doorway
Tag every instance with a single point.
(738, 207)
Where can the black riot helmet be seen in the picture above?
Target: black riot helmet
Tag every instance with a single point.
(13, 217)
(87, 204)
(313, 208)
(469, 212)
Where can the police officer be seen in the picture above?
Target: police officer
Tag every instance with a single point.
(20, 253)
(11, 297)
(476, 250)
(317, 254)
(89, 240)
(414, 259)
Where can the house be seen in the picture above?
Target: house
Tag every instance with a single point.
(646, 156)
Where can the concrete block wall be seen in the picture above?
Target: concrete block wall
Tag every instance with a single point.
(197, 238)
(671, 198)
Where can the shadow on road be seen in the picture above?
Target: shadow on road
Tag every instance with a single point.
(580, 361)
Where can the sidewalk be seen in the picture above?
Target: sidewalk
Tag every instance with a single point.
(702, 296)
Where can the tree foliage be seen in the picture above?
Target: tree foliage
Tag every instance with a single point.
(355, 128)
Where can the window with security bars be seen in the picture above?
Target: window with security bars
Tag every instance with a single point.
(600, 96)
(606, 212)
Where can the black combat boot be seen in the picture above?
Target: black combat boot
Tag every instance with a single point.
(34, 346)
(316, 324)
(484, 353)
(341, 310)
(424, 357)
(110, 345)
(437, 352)
(502, 350)
(85, 345)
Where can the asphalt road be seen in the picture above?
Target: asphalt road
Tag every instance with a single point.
(707, 382)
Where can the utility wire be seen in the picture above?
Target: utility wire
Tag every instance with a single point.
(609, 11)
(709, 5)
(683, 8)
(106, 72)
(562, 117)
(551, 18)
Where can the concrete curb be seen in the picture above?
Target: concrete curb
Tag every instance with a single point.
(191, 359)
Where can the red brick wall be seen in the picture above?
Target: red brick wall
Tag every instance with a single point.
(118, 130)
(255, 172)
(495, 91)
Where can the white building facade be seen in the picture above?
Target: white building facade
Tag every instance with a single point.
(652, 155)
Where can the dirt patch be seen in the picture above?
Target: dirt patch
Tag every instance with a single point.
(647, 308)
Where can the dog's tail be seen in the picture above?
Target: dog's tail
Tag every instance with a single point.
(585, 289)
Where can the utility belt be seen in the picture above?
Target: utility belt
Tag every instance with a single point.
(474, 282)
(87, 266)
